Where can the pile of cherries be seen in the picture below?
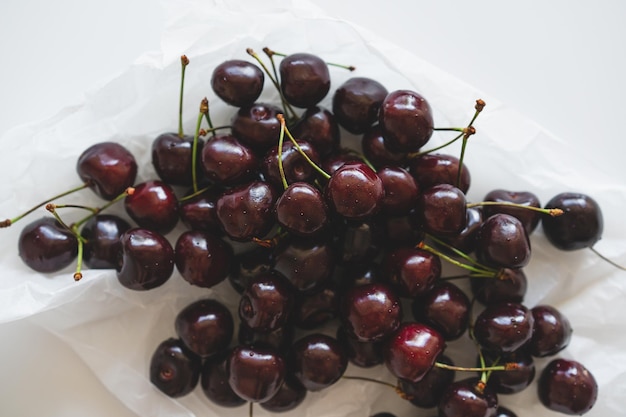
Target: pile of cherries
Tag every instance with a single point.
(337, 253)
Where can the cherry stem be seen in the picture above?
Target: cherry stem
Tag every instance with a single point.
(184, 61)
(286, 107)
(366, 379)
(98, 210)
(281, 139)
(604, 258)
(480, 105)
(554, 212)
(204, 109)
(453, 261)
(332, 64)
(485, 270)
(207, 114)
(194, 194)
(505, 367)
(422, 153)
(304, 155)
(9, 222)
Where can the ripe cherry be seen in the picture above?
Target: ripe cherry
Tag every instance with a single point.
(237, 82)
(406, 120)
(47, 246)
(214, 382)
(318, 361)
(318, 127)
(552, 331)
(354, 191)
(579, 227)
(227, 161)
(468, 398)
(504, 327)
(566, 386)
(266, 303)
(153, 205)
(356, 103)
(255, 373)
(529, 218)
(174, 370)
(502, 241)
(442, 210)
(302, 210)
(256, 126)
(202, 259)
(102, 234)
(205, 326)
(304, 79)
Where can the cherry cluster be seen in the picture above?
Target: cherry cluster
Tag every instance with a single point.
(315, 235)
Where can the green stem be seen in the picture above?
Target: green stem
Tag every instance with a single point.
(485, 269)
(422, 153)
(453, 261)
(184, 61)
(304, 155)
(204, 108)
(604, 258)
(554, 212)
(281, 139)
(366, 379)
(332, 64)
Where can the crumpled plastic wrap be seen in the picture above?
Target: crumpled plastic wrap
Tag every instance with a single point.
(115, 330)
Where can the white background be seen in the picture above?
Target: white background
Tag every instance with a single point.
(561, 63)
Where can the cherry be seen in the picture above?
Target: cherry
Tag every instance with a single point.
(289, 396)
(147, 259)
(401, 191)
(406, 120)
(266, 302)
(255, 373)
(427, 392)
(529, 218)
(318, 127)
(433, 169)
(205, 326)
(172, 158)
(279, 339)
(307, 263)
(301, 210)
(357, 242)
(442, 210)
(359, 353)
(514, 380)
(173, 369)
(504, 327)
(246, 211)
(503, 242)
(108, 167)
(318, 361)
(337, 158)
(199, 212)
(304, 79)
(371, 312)
(296, 168)
(566, 386)
(153, 205)
(356, 103)
(413, 271)
(214, 382)
(374, 149)
(227, 161)
(256, 125)
(446, 308)
(354, 191)
(411, 351)
(237, 82)
(552, 331)
(202, 259)
(45, 245)
(468, 398)
(313, 310)
(248, 264)
(465, 240)
(102, 235)
(579, 227)
(509, 286)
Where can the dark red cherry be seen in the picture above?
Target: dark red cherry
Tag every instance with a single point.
(374, 149)
(174, 370)
(354, 191)
(442, 210)
(295, 167)
(200, 213)
(301, 210)
(413, 271)
(427, 392)
(249, 263)
(465, 240)
(237, 82)
(433, 169)
(514, 380)
(406, 120)
(255, 373)
(357, 242)
(529, 218)
(227, 161)
(580, 226)
(567, 387)
(371, 312)
(304, 79)
(102, 234)
(205, 326)
(47, 246)
(411, 351)
(153, 205)
(552, 331)
(202, 258)
(401, 191)
(108, 167)
(509, 285)
(318, 127)
(290, 395)
(318, 361)
(214, 382)
(256, 126)
(315, 309)
(172, 158)
(147, 259)
(503, 242)
(356, 103)
(446, 308)
(307, 263)
(246, 211)
(266, 303)
(361, 354)
(337, 158)
(468, 398)
(279, 339)
(504, 327)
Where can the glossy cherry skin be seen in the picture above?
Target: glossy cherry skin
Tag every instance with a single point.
(174, 370)
(356, 103)
(248, 264)
(307, 263)
(153, 205)
(227, 161)
(354, 191)
(406, 120)
(529, 218)
(579, 227)
(266, 303)
(401, 191)
(302, 210)
(339, 157)
(102, 234)
(290, 395)
(256, 125)
(504, 327)
(567, 387)
(357, 242)
(147, 259)
(279, 339)
(318, 361)
(465, 240)
(205, 326)
(442, 209)
(427, 392)
(374, 149)
(172, 158)
(214, 382)
(108, 167)
(433, 169)
(465, 398)
(515, 380)
(411, 351)
(255, 373)
(200, 213)
(237, 82)
(202, 258)
(446, 308)
(46, 246)
(318, 127)
(509, 286)
(295, 167)
(361, 354)
(413, 271)
(552, 331)
(503, 242)
(246, 211)
(371, 312)
(315, 309)
(304, 79)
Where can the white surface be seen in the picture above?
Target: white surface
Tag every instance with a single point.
(560, 64)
